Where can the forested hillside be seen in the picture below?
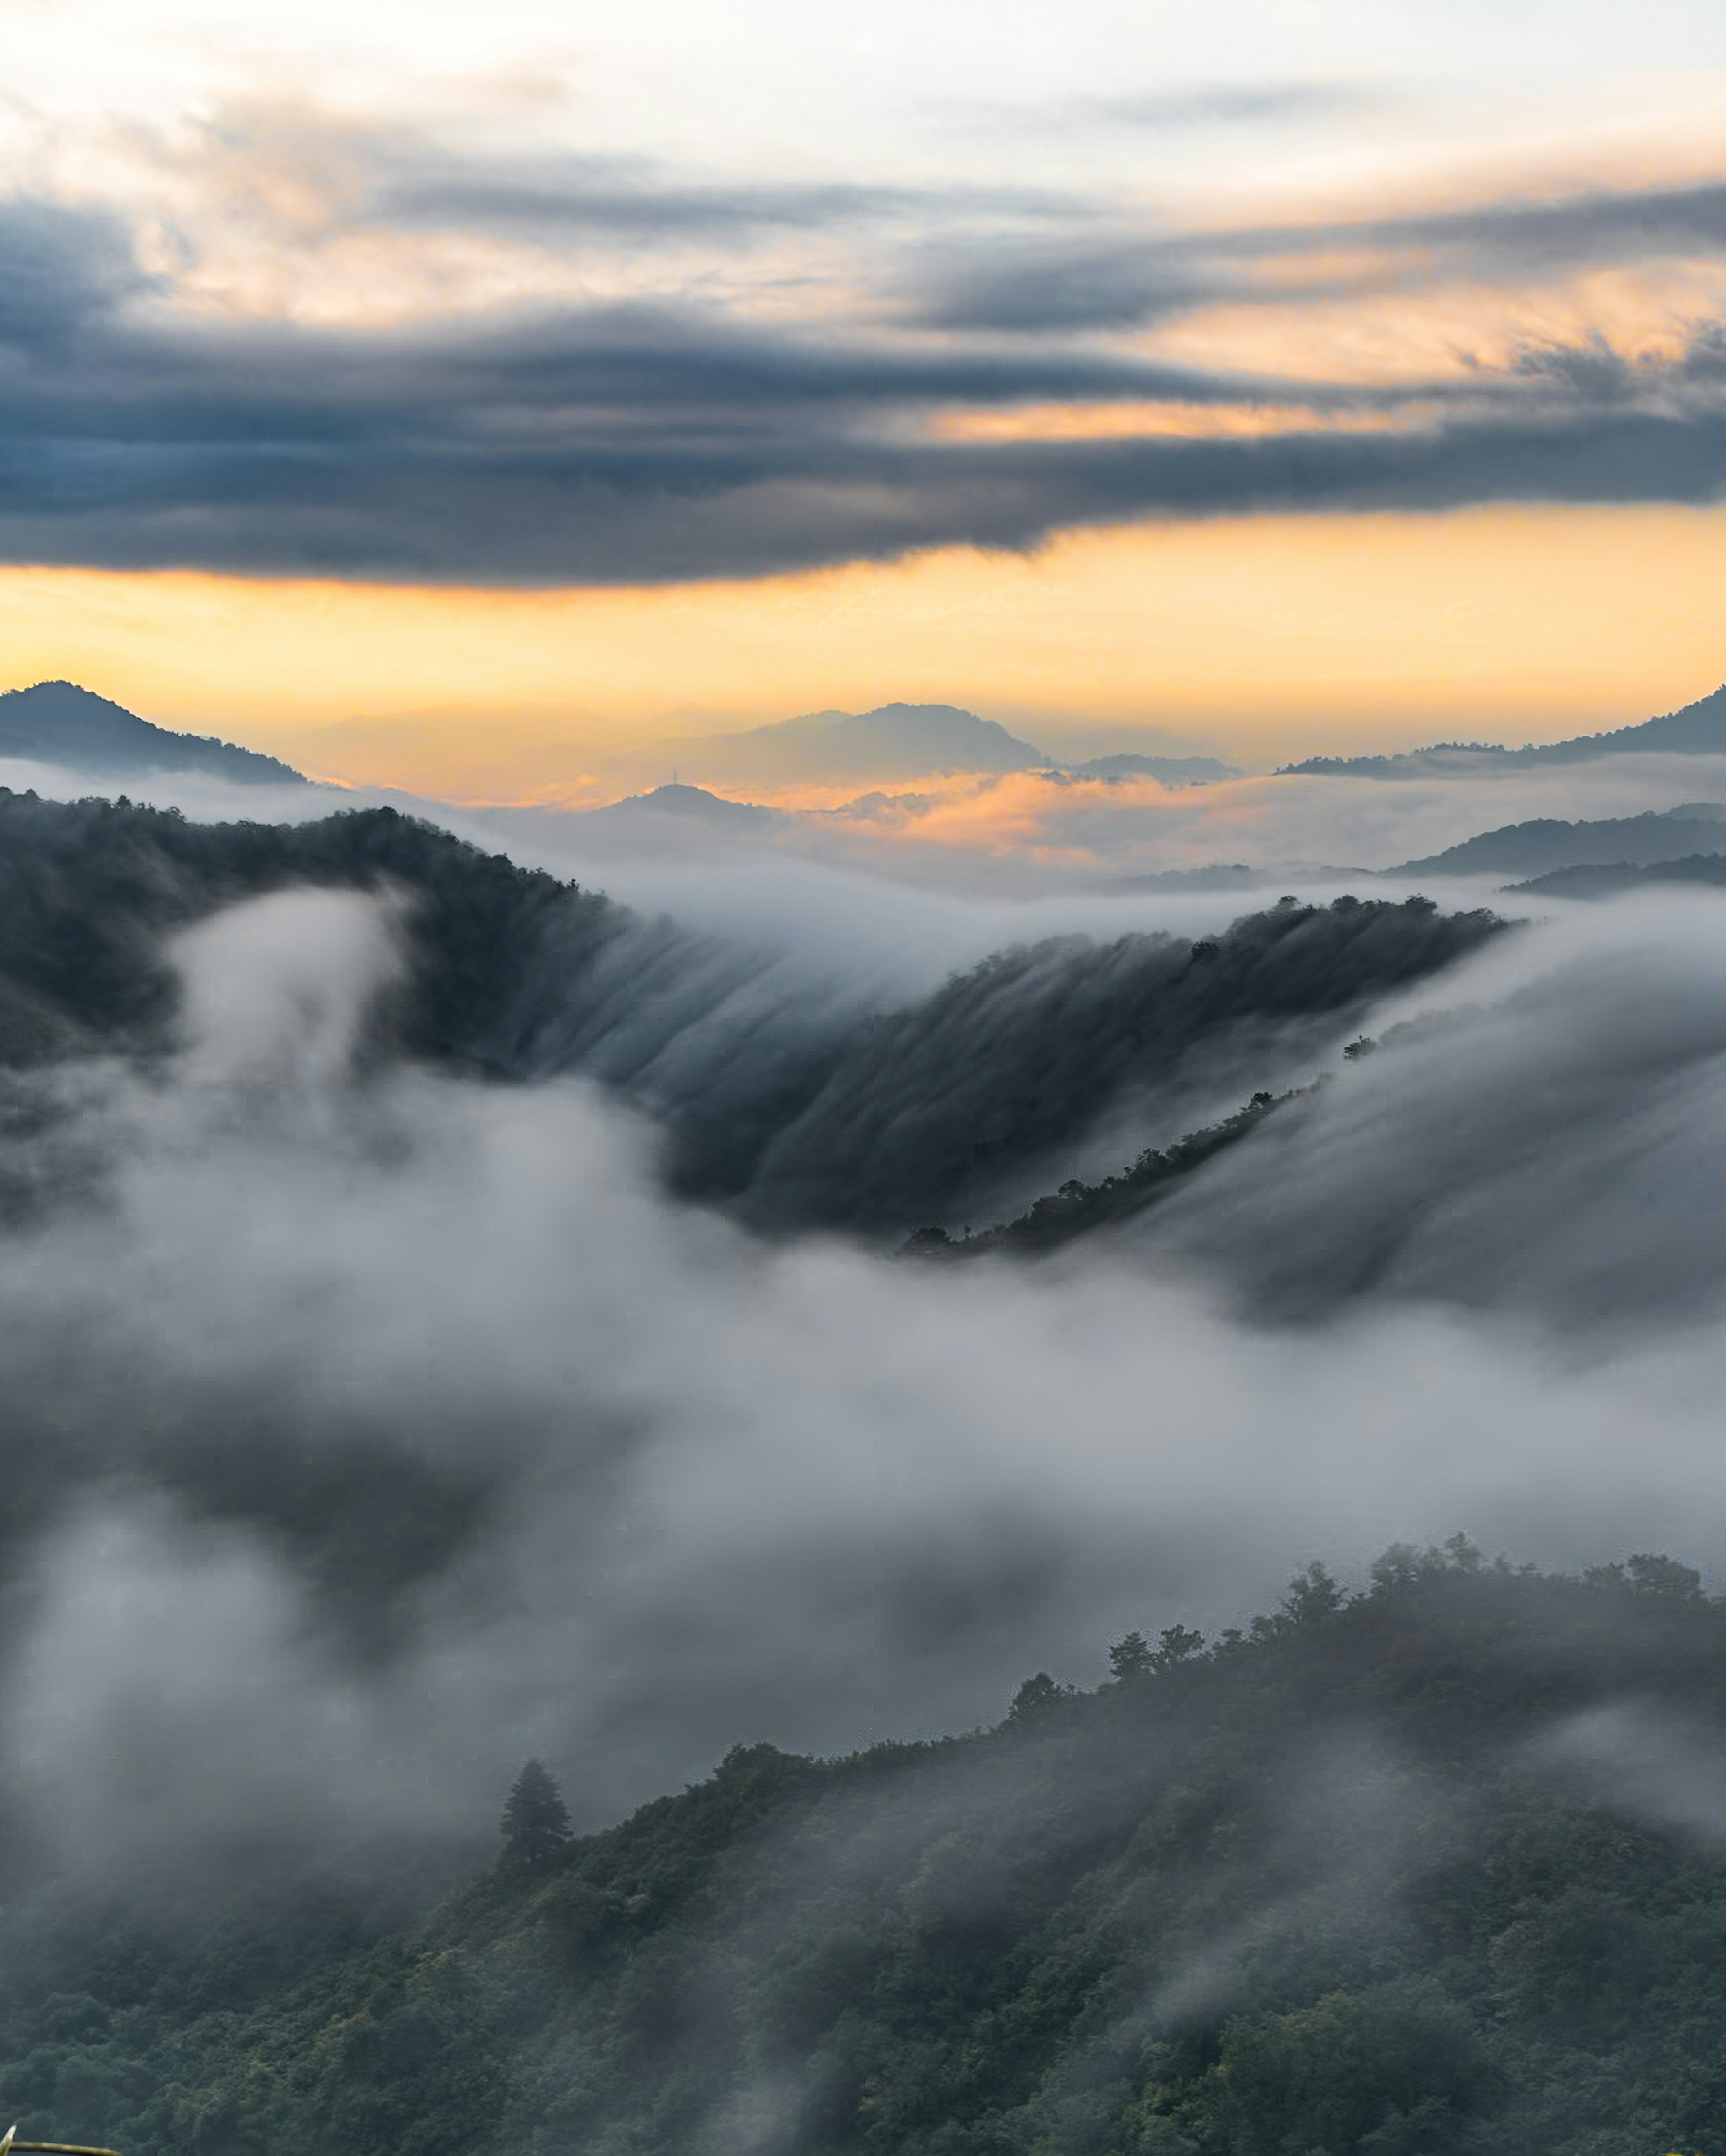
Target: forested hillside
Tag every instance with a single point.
(781, 1094)
(1435, 1868)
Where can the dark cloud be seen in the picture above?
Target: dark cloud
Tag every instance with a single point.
(637, 443)
(1055, 285)
(1103, 279)
(59, 268)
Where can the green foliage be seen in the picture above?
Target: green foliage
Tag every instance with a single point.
(1332, 1887)
(535, 1820)
(798, 1109)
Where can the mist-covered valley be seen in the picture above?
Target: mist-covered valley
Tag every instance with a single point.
(454, 1313)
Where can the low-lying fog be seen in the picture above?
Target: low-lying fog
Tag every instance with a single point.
(368, 1430)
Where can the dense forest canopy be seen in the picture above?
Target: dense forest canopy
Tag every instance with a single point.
(779, 1094)
(1432, 1867)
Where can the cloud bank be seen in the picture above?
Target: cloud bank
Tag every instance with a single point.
(366, 1431)
(640, 390)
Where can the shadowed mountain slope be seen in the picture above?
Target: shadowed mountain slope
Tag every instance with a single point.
(1431, 1872)
(57, 722)
(782, 1092)
(1549, 842)
(1698, 729)
(1605, 879)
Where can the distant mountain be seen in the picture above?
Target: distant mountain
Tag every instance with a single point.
(1606, 880)
(897, 740)
(1166, 770)
(58, 722)
(1549, 842)
(692, 804)
(1215, 876)
(1699, 729)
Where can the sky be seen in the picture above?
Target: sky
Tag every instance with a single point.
(1285, 376)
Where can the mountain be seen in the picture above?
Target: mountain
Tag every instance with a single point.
(1606, 881)
(1549, 842)
(1215, 876)
(691, 804)
(1699, 729)
(837, 748)
(1432, 1869)
(57, 722)
(792, 1102)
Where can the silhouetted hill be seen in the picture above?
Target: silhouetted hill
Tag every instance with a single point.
(1549, 842)
(1430, 1870)
(1607, 880)
(1698, 729)
(895, 741)
(691, 804)
(57, 722)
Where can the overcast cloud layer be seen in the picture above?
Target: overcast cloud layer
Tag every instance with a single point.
(651, 377)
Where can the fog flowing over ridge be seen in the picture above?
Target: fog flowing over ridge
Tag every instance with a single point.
(370, 1426)
(802, 1093)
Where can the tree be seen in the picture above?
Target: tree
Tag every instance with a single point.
(1130, 1658)
(1036, 1697)
(1175, 1644)
(535, 1820)
(1646, 1573)
(1314, 1595)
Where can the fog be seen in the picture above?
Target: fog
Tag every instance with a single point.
(368, 1430)
(1543, 1131)
(969, 864)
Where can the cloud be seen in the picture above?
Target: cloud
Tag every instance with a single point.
(389, 1429)
(1541, 1135)
(560, 436)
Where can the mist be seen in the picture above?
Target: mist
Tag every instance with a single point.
(370, 1428)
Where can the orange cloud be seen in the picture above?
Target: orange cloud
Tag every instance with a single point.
(1087, 423)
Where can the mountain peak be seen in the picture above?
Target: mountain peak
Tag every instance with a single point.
(60, 723)
(891, 742)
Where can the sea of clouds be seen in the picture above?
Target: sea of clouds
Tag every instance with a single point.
(368, 1429)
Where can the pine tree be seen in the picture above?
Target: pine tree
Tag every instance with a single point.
(535, 1820)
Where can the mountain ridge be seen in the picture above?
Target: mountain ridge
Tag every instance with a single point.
(59, 722)
(1384, 1871)
(1547, 843)
(1697, 729)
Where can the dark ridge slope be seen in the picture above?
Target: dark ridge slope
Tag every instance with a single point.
(89, 889)
(1393, 1875)
(1698, 729)
(1549, 842)
(1079, 1208)
(779, 1092)
(924, 1109)
(57, 722)
(1604, 880)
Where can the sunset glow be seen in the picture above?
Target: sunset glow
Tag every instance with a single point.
(1269, 638)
